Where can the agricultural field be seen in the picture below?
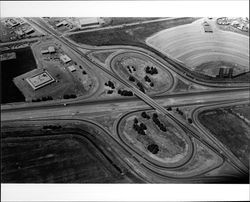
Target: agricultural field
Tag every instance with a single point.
(203, 52)
(54, 159)
(132, 35)
(160, 139)
(231, 126)
(60, 152)
(138, 69)
(124, 20)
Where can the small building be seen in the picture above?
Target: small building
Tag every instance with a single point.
(235, 23)
(13, 23)
(29, 31)
(208, 29)
(19, 32)
(51, 49)
(62, 23)
(72, 68)
(205, 23)
(65, 59)
(45, 51)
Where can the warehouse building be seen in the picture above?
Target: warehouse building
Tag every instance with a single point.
(88, 21)
(65, 59)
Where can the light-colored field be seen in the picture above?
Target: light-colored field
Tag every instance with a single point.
(191, 45)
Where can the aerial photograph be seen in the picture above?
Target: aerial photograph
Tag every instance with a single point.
(125, 100)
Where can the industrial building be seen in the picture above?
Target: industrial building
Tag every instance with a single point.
(62, 23)
(207, 27)
(65, 59)
(40, 80)
(29, 31)
(72, 68)
(51, 49)
(88, 21)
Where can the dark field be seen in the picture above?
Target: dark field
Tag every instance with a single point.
(67, 158)
(131, 35)
(119, 21)
(230, 129)
(10, 69)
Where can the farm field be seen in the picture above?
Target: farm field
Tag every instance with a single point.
(54, 158)
(132, 35)
(231, 126)
(195, 48)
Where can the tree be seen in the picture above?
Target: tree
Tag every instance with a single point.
(131, 78)
(190, 120)
(153, 148)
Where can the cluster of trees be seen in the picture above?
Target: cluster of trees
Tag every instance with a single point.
(131, 78)
(110, 84)
(54, 127)
(140, 128)
(153, 148)
(69, 96)
(145, 115)
(125, 92)
(169, 108)
(45, 98)
(139, 84)
(151, 70)
(190, 120)
(149, 80)
(179, 111)
(129, 68)
(158, 123)
(110, 91)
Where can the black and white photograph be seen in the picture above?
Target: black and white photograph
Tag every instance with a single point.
(125, 100)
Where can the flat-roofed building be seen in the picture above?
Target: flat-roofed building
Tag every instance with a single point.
(64, 22)
(51, 49)
(72, 68)
(88, 21)
(44, 51)
(40, 80)
(65, 59)
(29, 31)
(13, 22)
(19, 32)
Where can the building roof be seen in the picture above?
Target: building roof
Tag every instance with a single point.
(88, 21)
(64, 22)
(65, 58)
(208, 28)
(44, 51)
(51, 49)
(72, 68)
(28, 31)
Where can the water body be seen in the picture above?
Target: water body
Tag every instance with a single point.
(10, 69)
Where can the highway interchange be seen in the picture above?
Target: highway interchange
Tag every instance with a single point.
(79, 109)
